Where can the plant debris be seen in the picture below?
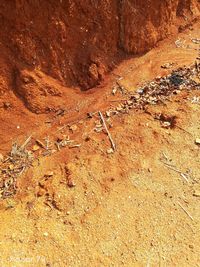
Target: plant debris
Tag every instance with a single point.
(107, 131)
(18, 160)
(186, 211)
(195, 40)
(160, 89)
(151, 93)
(195, 100)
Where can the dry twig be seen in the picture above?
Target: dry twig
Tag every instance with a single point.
(176, 170)
(107, 131)
(186, 211)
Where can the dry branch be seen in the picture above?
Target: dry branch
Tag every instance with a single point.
(186, 211)
(107, 131)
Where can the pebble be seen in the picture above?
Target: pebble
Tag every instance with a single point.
(166, 124)
(73, 128)
(7, 105)
(129, 102)
(35, 148)
(11, 167)
(140, 91)
(197, 141)
(49, 173)
(108, 114)
(71, 183)
(119, 108)
(110, 151)
(114, 90)
(45, 234)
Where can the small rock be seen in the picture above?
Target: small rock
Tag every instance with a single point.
(98, 130)
(35, 148)
(140, 91)
(197, 141)
(110, 151)
(49, 174)
(70, 183)
(136, 96)
(73, 127)
(114, 90)
(167, 65)
(108, 114)
(176, 92)
(41, 192)
(129, 102)
(119, 108)
(11, 167)
(7, 105)
(90, 115)
(166, 124)
(45, 234)
(99, 126)
(196, 193)
(26, 80)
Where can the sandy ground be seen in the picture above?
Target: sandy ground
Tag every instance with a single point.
(128, 208)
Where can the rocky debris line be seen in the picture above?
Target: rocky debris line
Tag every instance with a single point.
(160, 89)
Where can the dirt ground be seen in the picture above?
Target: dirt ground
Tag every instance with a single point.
(127, 208)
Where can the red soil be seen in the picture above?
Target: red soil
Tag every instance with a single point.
(124, 208)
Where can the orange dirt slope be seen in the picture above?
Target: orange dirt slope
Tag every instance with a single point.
(82, 206)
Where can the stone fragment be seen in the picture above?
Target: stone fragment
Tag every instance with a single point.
(197, 141)
(73, 127)
(110, 151)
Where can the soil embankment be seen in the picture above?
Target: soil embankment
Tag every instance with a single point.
(48, 46)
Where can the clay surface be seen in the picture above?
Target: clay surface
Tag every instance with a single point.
(78, 42)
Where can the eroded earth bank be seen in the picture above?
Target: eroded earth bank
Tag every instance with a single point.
(68, 197)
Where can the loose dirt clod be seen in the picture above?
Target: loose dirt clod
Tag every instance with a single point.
(69, 180)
